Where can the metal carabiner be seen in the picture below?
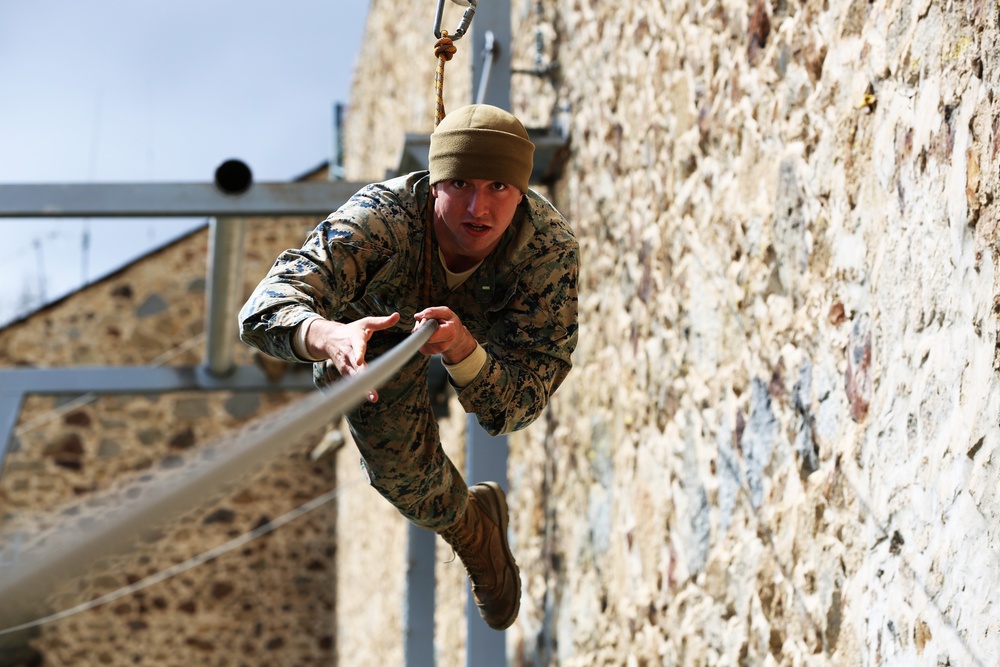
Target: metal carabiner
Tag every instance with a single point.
(463, 26)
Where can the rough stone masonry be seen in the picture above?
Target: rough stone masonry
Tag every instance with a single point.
(778, 446)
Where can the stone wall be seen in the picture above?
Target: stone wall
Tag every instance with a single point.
(778, 444)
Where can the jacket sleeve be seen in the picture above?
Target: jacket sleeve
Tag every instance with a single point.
(330, 270)
(530, 347)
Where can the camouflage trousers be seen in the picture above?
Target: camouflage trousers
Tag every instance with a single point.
(399, 443)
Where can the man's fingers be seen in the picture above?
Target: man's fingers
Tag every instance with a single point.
(358, 354)
(356, 369)
(373, 324)
(360, 368)
(354, 345)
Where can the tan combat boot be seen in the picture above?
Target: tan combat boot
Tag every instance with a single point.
(479, 538)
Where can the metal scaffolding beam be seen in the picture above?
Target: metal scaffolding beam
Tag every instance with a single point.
(230, 200)
(166, 200)
(16, 383)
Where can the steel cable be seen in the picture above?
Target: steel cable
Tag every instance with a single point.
(67, 549)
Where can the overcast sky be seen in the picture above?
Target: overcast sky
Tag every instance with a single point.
(156, 90)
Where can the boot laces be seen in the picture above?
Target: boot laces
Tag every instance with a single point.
(462, 540)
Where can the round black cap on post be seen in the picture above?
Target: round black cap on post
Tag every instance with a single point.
(233, 177)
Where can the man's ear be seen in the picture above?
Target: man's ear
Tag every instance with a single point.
(434, 190)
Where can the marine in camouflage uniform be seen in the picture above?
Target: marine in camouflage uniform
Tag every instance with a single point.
(378, 255)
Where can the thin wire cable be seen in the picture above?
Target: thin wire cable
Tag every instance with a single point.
(189, 564)
(764, 532)
(887, 531)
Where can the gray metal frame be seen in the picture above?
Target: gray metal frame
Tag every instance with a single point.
(227, 231)
(16, 383)
(165, 200)
(486, 456)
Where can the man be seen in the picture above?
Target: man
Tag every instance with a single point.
(466, 244)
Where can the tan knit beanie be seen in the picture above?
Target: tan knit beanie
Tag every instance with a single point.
(481, 141)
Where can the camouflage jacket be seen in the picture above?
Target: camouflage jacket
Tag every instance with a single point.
(368, 258)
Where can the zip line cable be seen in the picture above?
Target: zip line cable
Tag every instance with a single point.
(66, 549)
(888, 533)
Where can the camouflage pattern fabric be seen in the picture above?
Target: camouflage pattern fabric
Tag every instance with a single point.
(367, 259)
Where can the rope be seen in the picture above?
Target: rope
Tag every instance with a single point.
(189, 564)
(428, 236)
(444, 50)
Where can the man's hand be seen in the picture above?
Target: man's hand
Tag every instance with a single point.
(345, 345)
(451, 340)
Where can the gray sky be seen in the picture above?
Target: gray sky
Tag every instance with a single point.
(156, 90)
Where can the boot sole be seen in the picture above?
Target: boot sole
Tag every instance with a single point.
(498, 508)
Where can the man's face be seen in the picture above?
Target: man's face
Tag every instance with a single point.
(470, 216)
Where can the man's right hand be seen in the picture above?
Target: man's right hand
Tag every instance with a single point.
(345, 345)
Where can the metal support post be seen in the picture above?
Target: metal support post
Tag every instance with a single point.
(225, 254)
(10, 408)
(486, 456)
(419, 602)
(486, 460)
(491, 64)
